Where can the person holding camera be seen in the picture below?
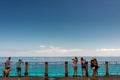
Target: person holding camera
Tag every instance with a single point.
(75, 61)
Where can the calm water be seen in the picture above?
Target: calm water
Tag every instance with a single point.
(56, 65)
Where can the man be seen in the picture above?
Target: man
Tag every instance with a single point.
(18, 67)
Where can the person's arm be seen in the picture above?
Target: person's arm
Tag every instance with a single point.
(22, 62)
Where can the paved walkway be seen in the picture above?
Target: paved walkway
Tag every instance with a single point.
(89, 78)
(22, 78)
(61, 78)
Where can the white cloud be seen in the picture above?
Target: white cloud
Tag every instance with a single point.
(43, 51)
(42, 46)
(52, 49)
(107, 50)
(58, 51)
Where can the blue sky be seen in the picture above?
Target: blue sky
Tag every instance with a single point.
(59, 27)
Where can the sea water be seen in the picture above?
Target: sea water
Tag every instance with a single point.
(56, 66)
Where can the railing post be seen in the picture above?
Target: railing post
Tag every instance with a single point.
(87, 69)
(107, 72)
(66, 69)
(26, 69)
(46, 69)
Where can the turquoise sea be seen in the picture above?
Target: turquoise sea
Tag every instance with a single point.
(36, 65)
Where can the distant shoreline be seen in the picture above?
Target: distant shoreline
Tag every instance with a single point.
(59, 56)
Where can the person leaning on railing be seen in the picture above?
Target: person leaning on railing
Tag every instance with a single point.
(18, 67)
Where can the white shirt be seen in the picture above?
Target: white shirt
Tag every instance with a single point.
(18, 64)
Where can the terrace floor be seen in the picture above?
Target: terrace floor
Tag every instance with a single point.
(62, 78)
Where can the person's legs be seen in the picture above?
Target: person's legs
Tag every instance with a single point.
(93, 72)
(76, 71)
(19, 71)
(7, 73)
(4, 75)
(82, 72)
(9, 69)
(86, 72)
(96, 73)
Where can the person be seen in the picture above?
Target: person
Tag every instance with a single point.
(84, 65)
(18, 67)
(6, 72)
(8, 65)
(75, 61)
(94, 67)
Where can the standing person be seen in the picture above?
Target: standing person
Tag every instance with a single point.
(7, 65)
(94, 67)
(18, 67)
(84, 65)
(75, 61)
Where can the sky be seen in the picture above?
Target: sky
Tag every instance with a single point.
(59, 28)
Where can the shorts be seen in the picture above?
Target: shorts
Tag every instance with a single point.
(18, 69)
(7, 67)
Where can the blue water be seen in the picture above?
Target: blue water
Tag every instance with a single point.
(36, 65)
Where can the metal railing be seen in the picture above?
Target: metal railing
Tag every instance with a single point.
(58, 68)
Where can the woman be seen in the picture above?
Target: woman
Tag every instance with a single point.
(84, 65)
(94, 67)
(75, 61)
